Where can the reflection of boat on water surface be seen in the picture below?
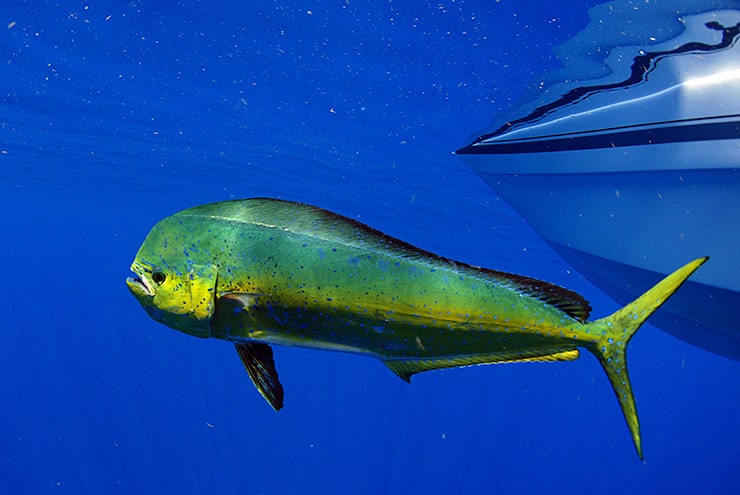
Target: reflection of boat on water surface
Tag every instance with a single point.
(630, 174)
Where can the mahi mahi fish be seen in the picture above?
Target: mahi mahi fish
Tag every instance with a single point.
(259, 272)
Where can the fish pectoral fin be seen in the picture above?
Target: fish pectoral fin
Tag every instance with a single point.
(405, 368)
(259, 363)
(243, 299)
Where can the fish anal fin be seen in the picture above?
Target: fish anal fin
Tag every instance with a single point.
(405, 368)
(260, 365)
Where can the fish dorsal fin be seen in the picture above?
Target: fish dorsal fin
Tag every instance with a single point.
(571, 303)
(259, 363)
(404, 368)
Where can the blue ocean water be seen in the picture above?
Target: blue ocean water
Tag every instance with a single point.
(113, 116)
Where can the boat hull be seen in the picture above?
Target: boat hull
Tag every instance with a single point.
(625, 230)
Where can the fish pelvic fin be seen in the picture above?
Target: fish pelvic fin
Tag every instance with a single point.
(258, 360)
(616, 331)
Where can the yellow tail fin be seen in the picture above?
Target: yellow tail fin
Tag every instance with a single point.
(617, 330)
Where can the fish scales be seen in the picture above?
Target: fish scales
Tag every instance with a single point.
(324, 278)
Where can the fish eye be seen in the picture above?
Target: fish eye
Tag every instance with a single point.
(158, 278)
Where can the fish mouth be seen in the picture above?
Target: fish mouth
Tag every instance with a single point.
(139, 286)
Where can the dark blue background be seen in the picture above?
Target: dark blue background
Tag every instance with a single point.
(114, 116)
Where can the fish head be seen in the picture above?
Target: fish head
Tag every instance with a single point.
(174, 287)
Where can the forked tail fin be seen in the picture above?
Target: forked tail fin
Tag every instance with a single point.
(618, 328)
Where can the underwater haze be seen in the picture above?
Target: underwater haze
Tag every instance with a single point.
(114, 115)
